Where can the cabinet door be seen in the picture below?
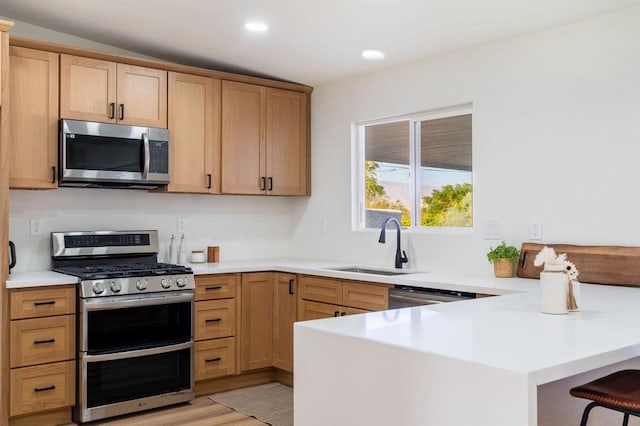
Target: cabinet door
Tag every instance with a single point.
(87, 89)
(286, 142)
(256, 328)
(321, 289)
(194, 117)
(141, 96)
(284, 315)
(315, 310)
(372, 297)
(33, 118)
(243, 143)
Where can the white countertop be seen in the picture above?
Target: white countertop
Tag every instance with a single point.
(38, 279)
(509, 332)
(474, 283)
(479, 283)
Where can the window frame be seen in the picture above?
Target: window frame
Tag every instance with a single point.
(358, 167)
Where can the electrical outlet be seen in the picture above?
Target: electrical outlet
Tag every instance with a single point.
(34, 225)
(323, 227)
(492, 230)
(535, 228)
(180, 225)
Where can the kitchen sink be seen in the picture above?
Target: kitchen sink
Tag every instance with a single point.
(369, 271)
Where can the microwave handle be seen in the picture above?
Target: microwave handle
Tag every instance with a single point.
(147, 155)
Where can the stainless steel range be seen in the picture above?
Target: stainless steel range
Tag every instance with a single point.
(135, 322)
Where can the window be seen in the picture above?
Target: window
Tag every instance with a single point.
(417, 169)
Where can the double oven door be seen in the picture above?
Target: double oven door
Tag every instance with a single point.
(135, 353)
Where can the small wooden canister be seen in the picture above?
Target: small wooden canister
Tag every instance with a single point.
(213, 254)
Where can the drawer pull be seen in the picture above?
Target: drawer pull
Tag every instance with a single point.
(218, 287)
(48, 388)
(216, 359)
(290, 286)
(213, 320)
(50, 302)
(39, 342)
(336, 313)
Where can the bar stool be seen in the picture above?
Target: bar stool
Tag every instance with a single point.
(619, 391)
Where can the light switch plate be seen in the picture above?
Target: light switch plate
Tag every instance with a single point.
(492, 230)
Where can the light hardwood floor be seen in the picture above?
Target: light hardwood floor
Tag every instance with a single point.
(200, 412)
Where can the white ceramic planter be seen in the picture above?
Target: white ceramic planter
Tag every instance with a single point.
(553, 290)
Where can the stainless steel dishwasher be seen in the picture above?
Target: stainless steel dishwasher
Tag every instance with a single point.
(402, 296)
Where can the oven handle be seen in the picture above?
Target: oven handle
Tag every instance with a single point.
(117, 302)
(138, 353)
(147, 155)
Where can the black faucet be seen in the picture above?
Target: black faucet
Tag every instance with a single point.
(400, 258)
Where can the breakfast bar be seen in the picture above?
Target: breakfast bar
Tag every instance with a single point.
(490, 361)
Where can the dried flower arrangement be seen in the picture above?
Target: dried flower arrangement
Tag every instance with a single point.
(548, 256)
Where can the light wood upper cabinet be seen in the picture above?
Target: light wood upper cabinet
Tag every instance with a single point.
(33, 118)
(256, 328)
(264, 140)
(286, 147)
(142, 96)
(284, 315)
(103, 91)
(87, 89)
(194, 122)
(243, 142)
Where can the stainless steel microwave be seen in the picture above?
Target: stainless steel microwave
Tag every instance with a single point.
(112, 155)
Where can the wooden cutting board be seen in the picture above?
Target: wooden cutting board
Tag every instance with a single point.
(613, 265)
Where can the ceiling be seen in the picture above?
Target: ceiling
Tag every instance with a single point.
(308, 41)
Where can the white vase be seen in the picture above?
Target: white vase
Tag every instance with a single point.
(553, 290)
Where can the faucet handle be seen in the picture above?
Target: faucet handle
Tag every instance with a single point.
(404, 258)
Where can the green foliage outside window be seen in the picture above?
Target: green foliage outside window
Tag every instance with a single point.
(449, 206)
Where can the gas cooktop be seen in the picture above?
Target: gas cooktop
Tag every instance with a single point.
(123, 270)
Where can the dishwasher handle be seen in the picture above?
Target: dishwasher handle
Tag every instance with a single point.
(415, 301)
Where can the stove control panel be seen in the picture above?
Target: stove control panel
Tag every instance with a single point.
(135, 285)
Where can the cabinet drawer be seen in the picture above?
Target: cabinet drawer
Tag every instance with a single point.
(215, 318)
(320, 289)
(313, 310)
(372, 297)
(214, 358)
(41, 340)
(42, 302)
(216, 286)
(43, 387)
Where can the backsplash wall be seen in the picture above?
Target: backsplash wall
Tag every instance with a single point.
(243, 227)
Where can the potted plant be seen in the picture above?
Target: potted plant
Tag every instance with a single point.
(503, 257)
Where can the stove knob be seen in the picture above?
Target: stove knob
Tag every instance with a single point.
(98, 287)
(141, 284)
(181, 281)
(165, 283)
(116, 286)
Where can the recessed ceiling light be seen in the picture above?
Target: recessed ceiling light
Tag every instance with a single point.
(256, 27)
(372, 54)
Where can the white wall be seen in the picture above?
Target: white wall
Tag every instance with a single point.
(555, 132)
(243, 227)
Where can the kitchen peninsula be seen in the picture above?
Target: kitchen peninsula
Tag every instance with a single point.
(493, 361)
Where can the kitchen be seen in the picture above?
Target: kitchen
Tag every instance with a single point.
(550, 107)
